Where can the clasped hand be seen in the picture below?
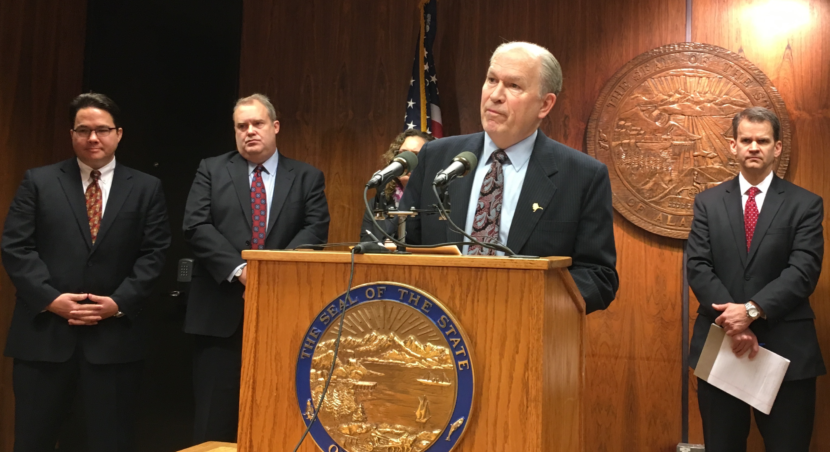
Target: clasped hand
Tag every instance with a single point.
(733, 318)
(745, 341)
(736, 324)
(67, 306)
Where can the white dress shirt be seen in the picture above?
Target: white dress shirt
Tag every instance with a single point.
(759, 198)
(104, 182)
(514, 177)
(269, 175)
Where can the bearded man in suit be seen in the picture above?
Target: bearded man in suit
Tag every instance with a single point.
(83, 243)
(250, 198)
(754, 257)
(537, 196)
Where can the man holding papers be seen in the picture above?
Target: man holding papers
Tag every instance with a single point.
(754, 258)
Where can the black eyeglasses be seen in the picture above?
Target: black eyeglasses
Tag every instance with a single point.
(102, 132)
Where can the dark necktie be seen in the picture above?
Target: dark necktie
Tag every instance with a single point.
(259, 210)
(94, 204)
(750, 215)
(488, 210)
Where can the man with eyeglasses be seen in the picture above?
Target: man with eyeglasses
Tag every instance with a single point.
(83, 243)
(250, 198)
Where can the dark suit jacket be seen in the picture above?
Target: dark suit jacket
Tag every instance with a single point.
(779, 273)
(576, 218)
(47, 250)
(217, 225)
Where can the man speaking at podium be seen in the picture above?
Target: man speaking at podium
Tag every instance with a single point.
(537, 196)
(251, 198)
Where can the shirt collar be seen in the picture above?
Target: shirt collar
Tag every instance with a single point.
(763, 186)
(270, 165)
(519, 153)
(106, 170)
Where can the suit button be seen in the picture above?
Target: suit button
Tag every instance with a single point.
(747, 278)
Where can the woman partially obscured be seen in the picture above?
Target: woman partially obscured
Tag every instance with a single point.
(411, 140)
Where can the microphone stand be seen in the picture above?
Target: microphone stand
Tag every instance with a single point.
(443, 193)
(401, 215)
(382, 211)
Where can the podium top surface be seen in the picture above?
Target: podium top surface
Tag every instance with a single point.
(343, 257)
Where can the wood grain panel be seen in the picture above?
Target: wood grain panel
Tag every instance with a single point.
(528, 355)
(338, 73)
(41, 69)
(632, 397)
(415, 260)
(796, 62)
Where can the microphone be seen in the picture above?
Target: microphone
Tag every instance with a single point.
(403, 164)
(462, 164)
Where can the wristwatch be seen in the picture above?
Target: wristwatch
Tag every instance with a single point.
(751, 311)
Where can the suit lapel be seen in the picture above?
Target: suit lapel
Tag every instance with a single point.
(462, 189)
(537, 188)
(283, 181)
(73, 188)
(734, 211)
(772, 202)
(238, 170)
(122, 185)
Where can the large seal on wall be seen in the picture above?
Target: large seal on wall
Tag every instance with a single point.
(662, 125)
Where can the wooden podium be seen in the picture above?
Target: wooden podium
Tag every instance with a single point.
(525, 321)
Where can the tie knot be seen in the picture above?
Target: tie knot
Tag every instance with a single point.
(259, 169)
(501, 156)
(96, 175)
(752, 192)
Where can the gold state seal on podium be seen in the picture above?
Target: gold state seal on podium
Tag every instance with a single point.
(402, 380)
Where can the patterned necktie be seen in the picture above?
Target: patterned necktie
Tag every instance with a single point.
(259, 210)
(93, 204)
(488, 210)
(750, 215)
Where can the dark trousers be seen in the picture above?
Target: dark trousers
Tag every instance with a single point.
(217, 362)
(44, 393)
(787, 428)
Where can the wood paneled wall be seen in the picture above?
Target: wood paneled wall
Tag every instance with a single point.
(340, 72)
(41, 69)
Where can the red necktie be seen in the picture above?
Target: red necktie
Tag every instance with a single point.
(93, 204)
(750, 215)
(259, 210)
(488, 210)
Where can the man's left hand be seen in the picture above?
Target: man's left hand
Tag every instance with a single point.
(108, 306)
(733, 318)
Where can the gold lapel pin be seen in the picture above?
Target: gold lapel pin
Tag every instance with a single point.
(537, 207)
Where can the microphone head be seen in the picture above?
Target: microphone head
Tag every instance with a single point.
(408, 159)
(468, 159)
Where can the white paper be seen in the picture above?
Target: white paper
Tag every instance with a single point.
(755, 381)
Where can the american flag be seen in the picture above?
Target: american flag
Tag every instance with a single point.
(422, 107)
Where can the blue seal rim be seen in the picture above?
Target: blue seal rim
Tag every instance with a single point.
(302, 383)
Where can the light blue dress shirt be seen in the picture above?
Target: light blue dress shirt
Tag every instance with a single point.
(269, 174)
(514, 177)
